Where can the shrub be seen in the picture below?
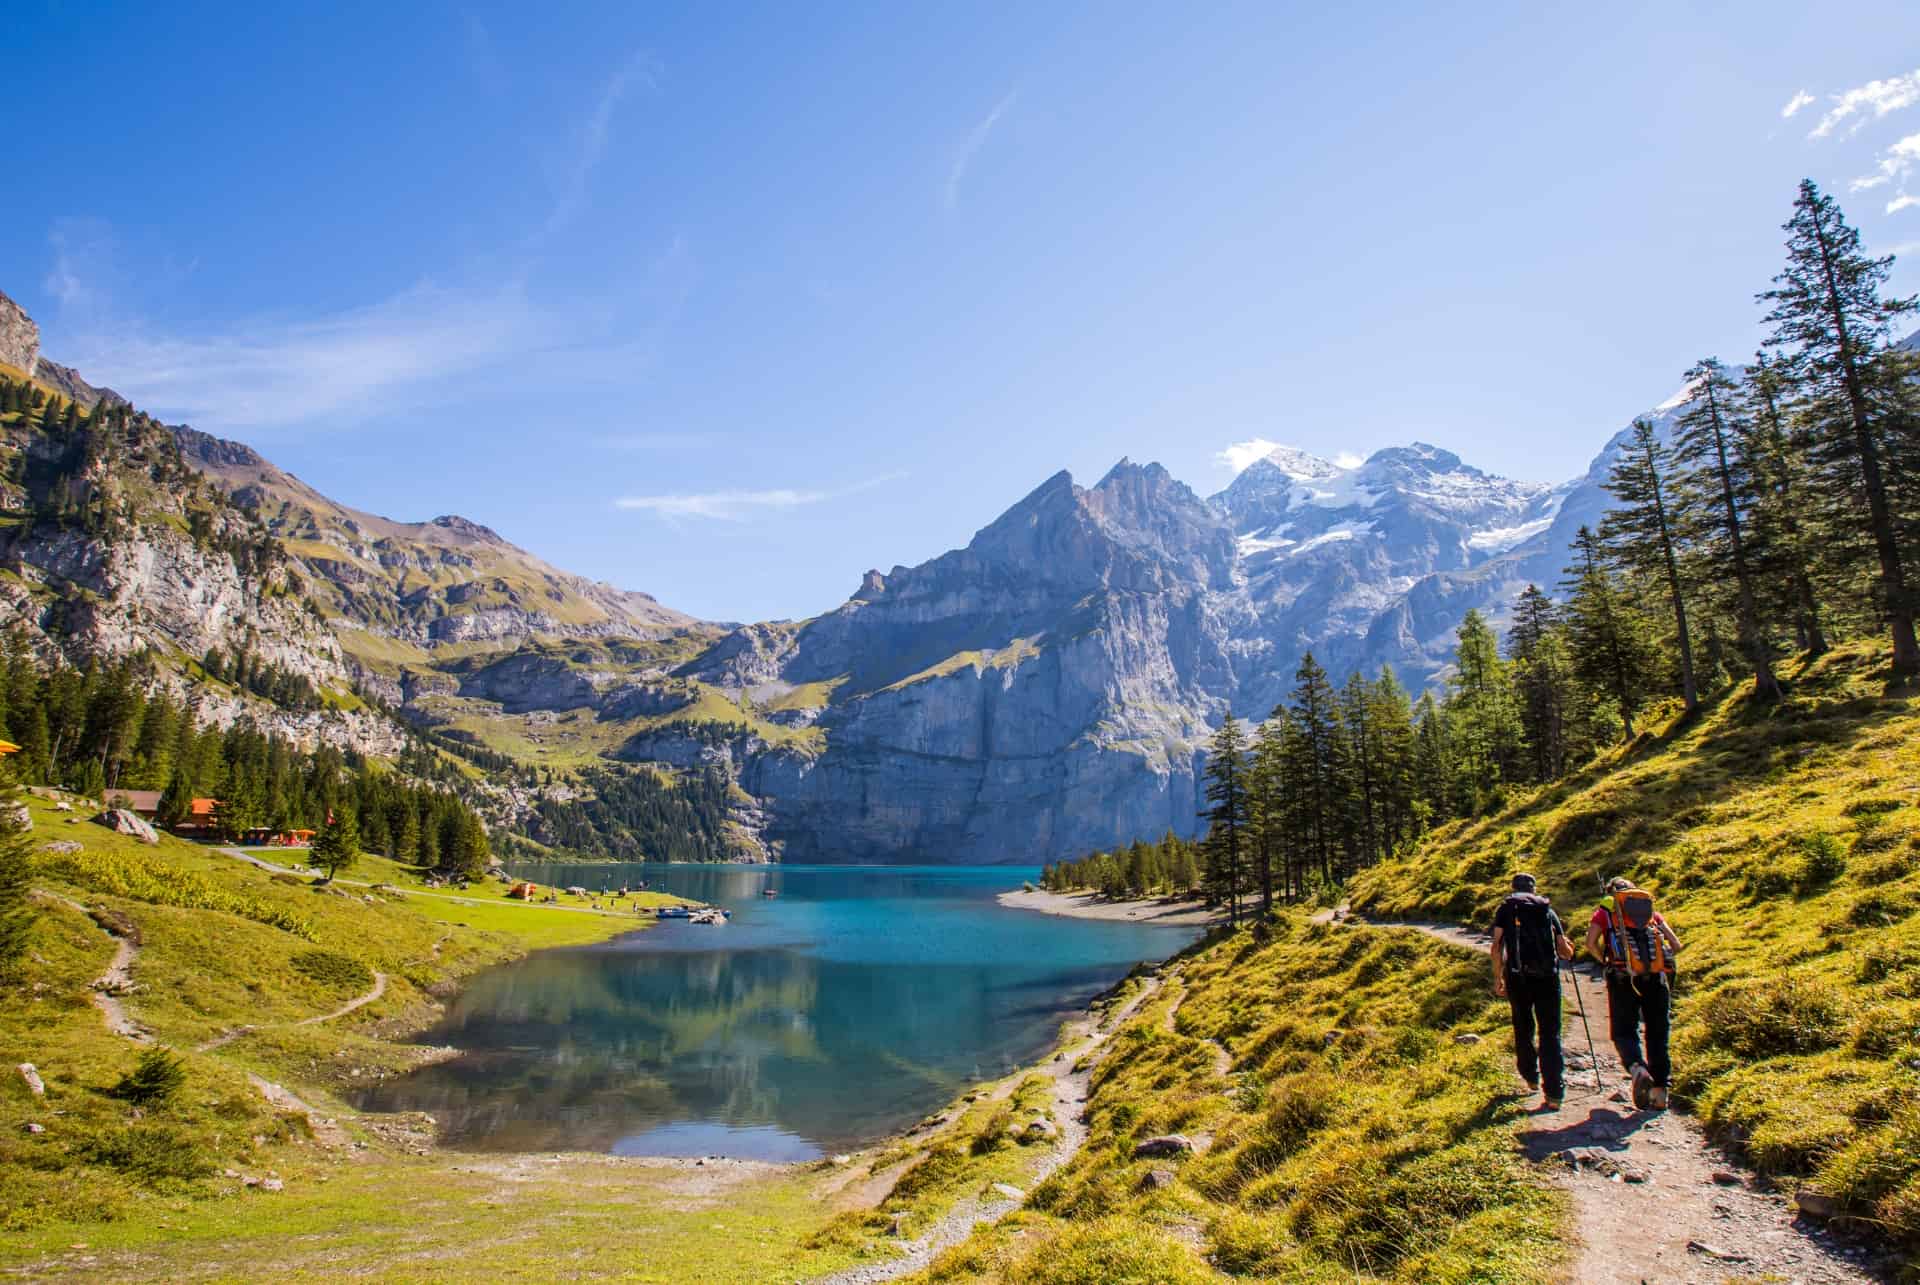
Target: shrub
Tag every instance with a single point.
(1823, 858)
(330, 968)
(152, 1153)
(1759, 1018)
(154, 1079)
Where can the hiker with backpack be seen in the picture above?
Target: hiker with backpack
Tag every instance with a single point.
(1633, 941)
(1528, 945)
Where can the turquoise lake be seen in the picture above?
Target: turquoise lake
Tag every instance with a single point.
(817, 1021)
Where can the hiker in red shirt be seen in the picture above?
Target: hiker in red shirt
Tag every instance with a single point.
(1634, 942)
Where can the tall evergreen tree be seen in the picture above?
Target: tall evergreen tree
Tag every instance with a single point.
(1481, 713)
(1316, 776)
(1833, 326)
(337, 846)
(1227, 815)
(1787, 551)
(1610, 648)
(1707, 443)
(1542, 680)
(1643, 533)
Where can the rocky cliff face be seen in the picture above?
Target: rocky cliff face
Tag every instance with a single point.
(19, 338)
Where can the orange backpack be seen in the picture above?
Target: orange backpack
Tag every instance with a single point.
(1636, 944)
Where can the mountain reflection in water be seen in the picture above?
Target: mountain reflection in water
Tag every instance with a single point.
(843, 1010)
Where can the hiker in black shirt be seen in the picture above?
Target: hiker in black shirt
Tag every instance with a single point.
(1528, 945)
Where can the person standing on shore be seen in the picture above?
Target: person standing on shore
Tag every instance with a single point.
(1528, 945)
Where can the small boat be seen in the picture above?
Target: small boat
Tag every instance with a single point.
(769, 892)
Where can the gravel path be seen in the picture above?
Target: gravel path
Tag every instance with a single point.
(1070, 1088)
(1653, 1199)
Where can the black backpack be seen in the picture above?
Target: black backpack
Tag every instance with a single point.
(1531, 953)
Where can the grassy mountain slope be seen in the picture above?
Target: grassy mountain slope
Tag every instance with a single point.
(1784, 844)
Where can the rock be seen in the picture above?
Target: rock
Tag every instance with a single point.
(1169, 1144)
(1725, 1178)
(21, 818)
(35, 1085)
(1467, 1037)
(271, 1184)
(1816, 1204)
(1715, 1252)
(1039, 1129)
(127, 822)
(1010, 1191)
(842, 1159)
(62, 847)
(1606, 1163)
(33, 1128)
(1156, 1179)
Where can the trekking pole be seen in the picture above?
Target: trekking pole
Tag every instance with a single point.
(1593, 1056)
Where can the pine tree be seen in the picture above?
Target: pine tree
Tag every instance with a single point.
(1316, 771)
(1833, 326)
(1707, 443)
(1778, 469)
(1542, 681)
(1611, 651)
(1391, 724)
(1481, 712)
(1642, 533)
(337, 846)
(1227, 815)
(1267, 805)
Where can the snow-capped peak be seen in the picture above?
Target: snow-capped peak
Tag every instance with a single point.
(1299, 464)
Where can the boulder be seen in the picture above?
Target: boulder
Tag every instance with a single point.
(35, 1085)
(1816, 1204)
(61, 847)
(21, 818)
(1169, 1144)
(1156, 1180)
(127, 823)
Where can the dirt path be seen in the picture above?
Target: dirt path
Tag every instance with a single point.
(1653, 1199)
(379, 989)
(109, 988)
(1070, 1087)
(1222, 1059)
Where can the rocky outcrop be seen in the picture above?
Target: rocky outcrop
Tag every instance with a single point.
(131, 824)
(19, 337)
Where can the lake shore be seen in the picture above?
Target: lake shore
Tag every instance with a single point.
(1182, 913)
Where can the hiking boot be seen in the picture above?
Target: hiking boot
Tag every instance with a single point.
(1642, 1086)
(1657, 1097)
(1551, 1102)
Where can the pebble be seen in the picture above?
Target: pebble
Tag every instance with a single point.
(35, 1128)
(1727, 1179)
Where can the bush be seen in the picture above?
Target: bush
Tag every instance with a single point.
(152, 1153)
(154, 1079)
(330, 968)
(1823, 858)
(1761, 1019)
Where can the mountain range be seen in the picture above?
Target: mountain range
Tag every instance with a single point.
(1046, 690)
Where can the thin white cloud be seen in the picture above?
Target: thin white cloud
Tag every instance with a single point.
(1902, 202)
(591, 144)
(1867, 102)
(1794, 104)
(733, 506)
(970, 145)
(1241, 455)
(1895, 165)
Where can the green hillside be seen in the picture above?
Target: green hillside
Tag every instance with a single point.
(1784, 844)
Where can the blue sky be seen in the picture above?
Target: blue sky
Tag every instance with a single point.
(731, 305)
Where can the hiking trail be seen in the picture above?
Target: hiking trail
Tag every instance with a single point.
(107, 989)
(1070, 1087)
(379, 989)
(1653, 1200)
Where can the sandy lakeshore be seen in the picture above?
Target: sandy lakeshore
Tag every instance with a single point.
(1091, 905)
